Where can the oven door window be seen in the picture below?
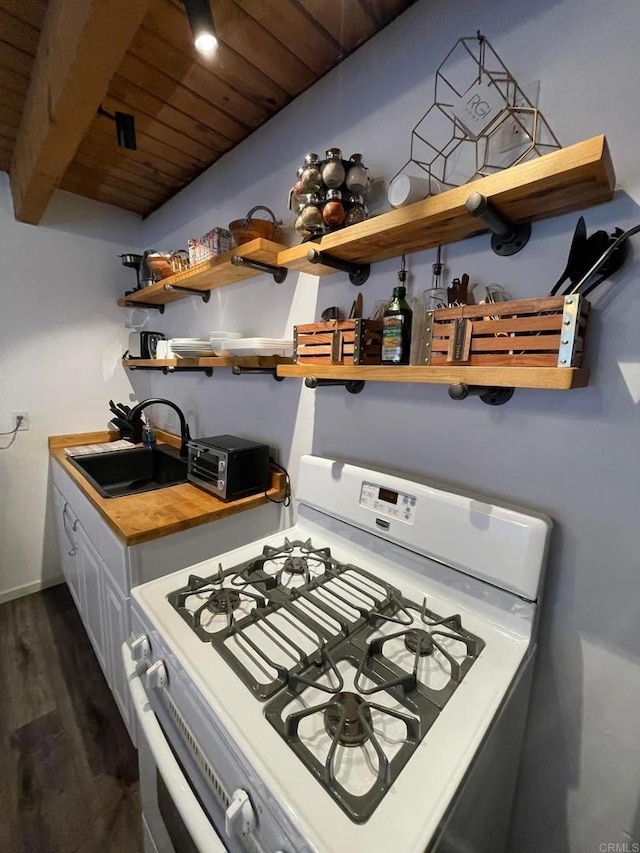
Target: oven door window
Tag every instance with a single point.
(206, 465)
(175, 826)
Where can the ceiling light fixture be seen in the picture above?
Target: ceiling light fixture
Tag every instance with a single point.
(125, 128)
(202, 25)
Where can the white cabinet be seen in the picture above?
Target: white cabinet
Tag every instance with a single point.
(91, 557)
(100, 571)
(67, 527)
(93, 569)
(117, 628)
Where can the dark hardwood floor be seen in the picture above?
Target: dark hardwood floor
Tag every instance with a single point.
(68, 770)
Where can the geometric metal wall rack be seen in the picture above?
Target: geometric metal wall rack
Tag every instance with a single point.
(480, 122)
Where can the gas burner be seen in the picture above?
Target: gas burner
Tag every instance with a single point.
(209, 605)
(296, 565)
(224, 601)
(348, 719)
(354, 747)
(431, 655)
(418, 642)
(291, 565)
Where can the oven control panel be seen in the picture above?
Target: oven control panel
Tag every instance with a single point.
(383, 501)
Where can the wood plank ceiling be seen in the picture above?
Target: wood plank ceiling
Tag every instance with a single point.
(189, 110)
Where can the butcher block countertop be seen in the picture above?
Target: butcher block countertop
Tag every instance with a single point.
(150, 515)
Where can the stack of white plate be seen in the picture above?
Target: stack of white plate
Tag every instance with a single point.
(218, 340)
(258, 346)
(191, 347)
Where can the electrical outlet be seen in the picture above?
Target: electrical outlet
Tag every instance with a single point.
(24, 424)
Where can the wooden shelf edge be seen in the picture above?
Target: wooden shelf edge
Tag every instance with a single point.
(558, 378)
(565, 180)
(214, 361)
(209, 275)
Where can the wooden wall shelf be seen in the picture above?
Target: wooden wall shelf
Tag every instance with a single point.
(559, 378)
(255, 362)
(570, 179)
(216, 272)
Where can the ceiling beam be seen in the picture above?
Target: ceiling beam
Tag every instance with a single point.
(81, 46)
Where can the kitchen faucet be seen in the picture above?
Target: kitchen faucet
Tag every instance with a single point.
(184, 427)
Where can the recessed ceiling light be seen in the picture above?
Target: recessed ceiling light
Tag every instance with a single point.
(202, 25)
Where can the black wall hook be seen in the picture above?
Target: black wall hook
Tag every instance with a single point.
(492, 396)
(353, 386)
(358, 273)
(205, 295)
(238, 370)
(279, 273)
(507, 238)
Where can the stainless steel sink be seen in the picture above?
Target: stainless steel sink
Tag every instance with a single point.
(128, 472)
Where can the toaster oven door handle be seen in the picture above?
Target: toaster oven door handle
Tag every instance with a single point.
(203, 834)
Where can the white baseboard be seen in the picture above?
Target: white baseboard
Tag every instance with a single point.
(28, 588)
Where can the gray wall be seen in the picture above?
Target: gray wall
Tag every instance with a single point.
(61, 341)
(573, 455)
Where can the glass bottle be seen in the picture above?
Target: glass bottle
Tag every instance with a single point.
(357, 211)
(357, 179)
(310, 176)
(333, 172)
(148, 435)
(333, 210)
(311, 217)
(396, 325)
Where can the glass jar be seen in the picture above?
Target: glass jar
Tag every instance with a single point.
(301, 228)
(311, 216)
(310, 176)
(357, 179)
(357, 211)
(333, 172)
(333, 211)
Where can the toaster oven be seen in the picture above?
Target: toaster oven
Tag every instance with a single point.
(228, 466)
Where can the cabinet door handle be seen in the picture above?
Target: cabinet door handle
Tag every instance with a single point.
(74, 526)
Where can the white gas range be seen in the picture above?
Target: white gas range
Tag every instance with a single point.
(359, 681)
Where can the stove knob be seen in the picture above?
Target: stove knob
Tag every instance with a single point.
(156, 676)
(140, 648)
(239, 818)
(221, 466)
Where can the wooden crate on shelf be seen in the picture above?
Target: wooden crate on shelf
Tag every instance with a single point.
(338, 342)
(544, 332)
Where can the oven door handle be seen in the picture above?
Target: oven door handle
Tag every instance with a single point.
(203, 834)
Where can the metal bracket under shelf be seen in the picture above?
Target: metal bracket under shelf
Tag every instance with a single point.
(130, 304)
(507, 238)
(358, 273)
(492, 396)
(353, 386)
(205, 295)
(237, 370)
(208, 371)
(279, 273)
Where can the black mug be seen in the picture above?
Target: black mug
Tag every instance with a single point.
(149, 343)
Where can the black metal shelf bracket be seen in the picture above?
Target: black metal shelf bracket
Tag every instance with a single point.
(237, 370)
(208, 371)
(205, 295)
(358, 273)
(353, 386)
(492, 396)
(279, 273)
(507, 238)
(131, 304)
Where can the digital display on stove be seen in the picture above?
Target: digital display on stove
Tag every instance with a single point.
(388, 496)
